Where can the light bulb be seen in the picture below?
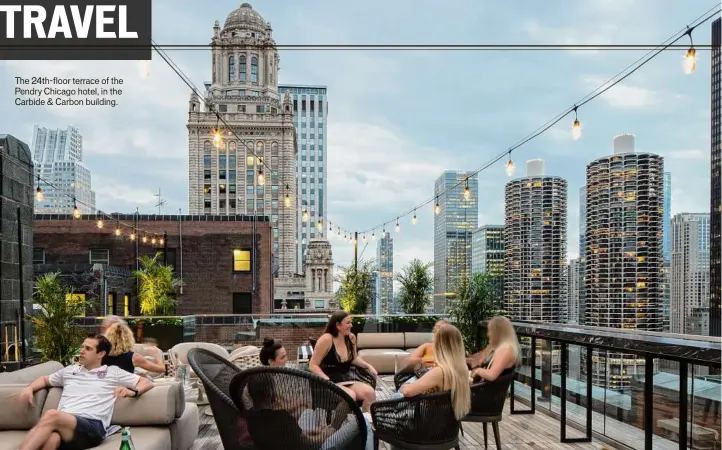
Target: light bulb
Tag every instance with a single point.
(217, 139)
(287, 201)
(152, 241)
(414, 219)
(145, 239)
(398, 227)
(320, 225)
(689, 64)
(132, 236)
(160, 241)
(353, 241)
(373, 235)
(304, 216)
(383, 233)
(576, 129)
(437, 209)
(76, 212)
(363, 238)
(261, 178)
(117, 231)
(39, 194)
(510, 168)
(467, 193)
(144, 69)
(100, 223)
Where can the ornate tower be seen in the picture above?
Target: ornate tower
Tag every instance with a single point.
(241, 138)
(319, 276)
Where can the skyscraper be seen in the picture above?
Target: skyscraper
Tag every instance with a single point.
(715, 279)
(582, 251)
(487, 253)
(667, 231)
(457, 208)
(624, 258)
(385, 270)
(310, 112)
(624, 239)
(535, 239)
(64, 180)
(249, 168)
(689, 271)
(574, 280)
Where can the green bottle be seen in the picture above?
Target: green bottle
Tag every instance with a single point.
(126, 443)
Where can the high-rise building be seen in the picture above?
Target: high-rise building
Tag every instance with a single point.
(666, 238)
(310, 112)
(689, 281)
(624, 258)
(582, 250)
(625, 223)
(457, 209)
(251, 167)
(385, 271)
(487, 254)
(574, 280)
(535, 239)
(63, 178)
(715, 279)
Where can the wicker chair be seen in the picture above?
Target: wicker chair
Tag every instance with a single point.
(424, 422)
(487, 404)
(282, 404)
(216, 373)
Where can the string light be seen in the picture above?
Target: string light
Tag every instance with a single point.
(373, 236)
(414, 219)
(76, 211)
(576, 126)
(437, 207)
(217, 138)
(689, 64)
(132, 236)
(160, 241)
(363, 237)
(261, 177)
(99, 223)
(145, 239)
(117, 230)
(39, 191)
(287, 200)
(398, 227)
(510, 167)
(152, 241)
(467, 191)
(304, 216)
(319, 225)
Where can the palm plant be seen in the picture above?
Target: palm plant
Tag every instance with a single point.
(56, 335)
(355, 290)
(478, 299)
(416, 284)
(157, 287)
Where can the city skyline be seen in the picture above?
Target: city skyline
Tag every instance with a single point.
(135, 163)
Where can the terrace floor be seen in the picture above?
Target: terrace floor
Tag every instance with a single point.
(518, 432)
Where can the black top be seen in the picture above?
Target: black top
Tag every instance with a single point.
(124, 361)
(332, 365)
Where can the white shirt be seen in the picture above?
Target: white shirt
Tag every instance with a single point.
(90, 393)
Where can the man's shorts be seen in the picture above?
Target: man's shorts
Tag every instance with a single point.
(89, 433)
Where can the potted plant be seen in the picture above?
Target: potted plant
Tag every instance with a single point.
(157, 287)
(57, 337)
(478, 299)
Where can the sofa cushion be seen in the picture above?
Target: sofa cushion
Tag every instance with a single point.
(151, 438)
(15, 415)
(11, 440)
(380, 340)
(413, 340)
(185, 429)
(384, 359)
(30, 374)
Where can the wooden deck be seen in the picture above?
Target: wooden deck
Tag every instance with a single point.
(518, 432)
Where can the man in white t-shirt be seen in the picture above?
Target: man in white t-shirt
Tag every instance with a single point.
(86, 405)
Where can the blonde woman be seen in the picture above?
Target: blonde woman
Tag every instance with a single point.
(502, 355)
(122, 355)
(449, 374)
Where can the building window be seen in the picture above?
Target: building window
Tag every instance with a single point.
(242, 303)
(100, 256)
(231, 68)
(241, 260)
(38, 256)
(242, 63)
(319, 304)
(259, 109)
(254, 70)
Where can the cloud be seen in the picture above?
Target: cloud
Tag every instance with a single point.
(687, 154)
(572, 36)
(624, 95)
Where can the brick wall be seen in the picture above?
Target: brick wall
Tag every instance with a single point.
(206, 257)
(16, 192)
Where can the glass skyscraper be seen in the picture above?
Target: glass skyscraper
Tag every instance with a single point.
(715, 278)
(582, 249)
(310, 110)
(667, 216)
(385, 271)
(453, 226)
(487, 254)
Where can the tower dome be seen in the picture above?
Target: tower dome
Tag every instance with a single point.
(245, 18)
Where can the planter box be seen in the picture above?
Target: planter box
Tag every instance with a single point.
(167, 335)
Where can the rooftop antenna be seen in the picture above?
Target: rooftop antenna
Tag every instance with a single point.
(161, 202)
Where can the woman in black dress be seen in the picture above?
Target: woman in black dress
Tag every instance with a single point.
(121, 352)
(335, 353)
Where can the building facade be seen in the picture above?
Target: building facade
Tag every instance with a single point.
(535, 240)
(65, 182)
(624, 260)
(666, 250)
(573, 287)
(223, 261)
(247, 167)
(457, 211)
(310, 112)
(16, 242)
(582, 249)
(689, 270)
(487, 254)
(384, 274)
(715, 279)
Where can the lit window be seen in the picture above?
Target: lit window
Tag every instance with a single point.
(241, 260)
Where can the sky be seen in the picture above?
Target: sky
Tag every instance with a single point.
(398, 119)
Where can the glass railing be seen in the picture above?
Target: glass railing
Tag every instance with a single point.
(640, 389)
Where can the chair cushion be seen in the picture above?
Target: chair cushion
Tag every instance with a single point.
(413, 340)
(30, 374)
(11, 440)
(380, 340)
(17, 416)
(384, 359)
